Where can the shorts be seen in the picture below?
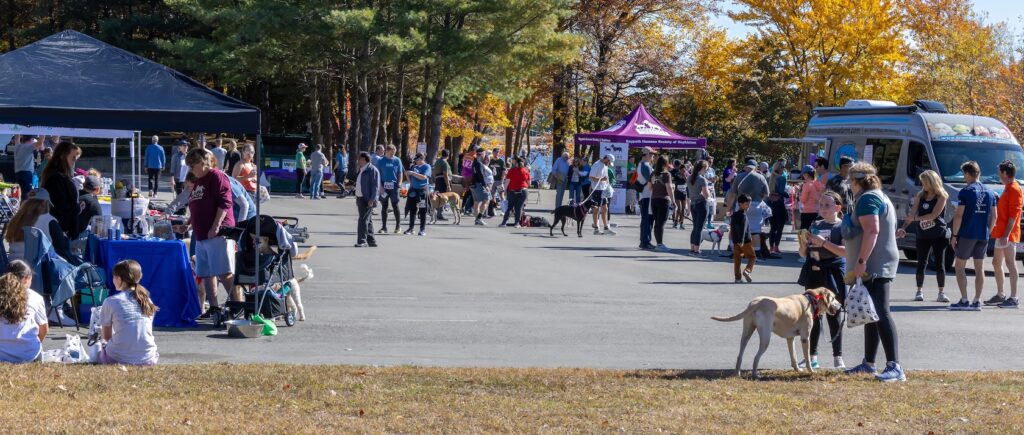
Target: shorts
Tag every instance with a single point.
(967, 249)
(680, 196)
(215, 257)
(599, 200)
(480, 193)
(755, 218)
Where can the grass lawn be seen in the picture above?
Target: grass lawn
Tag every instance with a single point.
(228, 398)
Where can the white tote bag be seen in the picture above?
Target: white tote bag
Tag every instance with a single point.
(860, 310)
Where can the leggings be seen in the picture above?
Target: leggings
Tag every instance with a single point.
(806, 219)
(778, 223)
(699, 215)
(390, 196)
(415, 204)
(938, 246)
(830, 277)
(884, 329)
(516, 200)
(300, 179)
(659, 208)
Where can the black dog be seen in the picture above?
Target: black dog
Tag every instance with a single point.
(576, 212)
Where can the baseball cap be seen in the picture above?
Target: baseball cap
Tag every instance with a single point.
(91, 183)
(808, 169)
(845, 160)
(763, 166)
(648, 150)
(40, 194)
(302, 145)
(610, 157)
(751, 162)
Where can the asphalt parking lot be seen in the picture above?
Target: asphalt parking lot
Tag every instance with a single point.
(485, 296)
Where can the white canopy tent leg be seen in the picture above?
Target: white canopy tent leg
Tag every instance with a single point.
(113, 163)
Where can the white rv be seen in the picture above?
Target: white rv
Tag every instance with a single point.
(903, 141)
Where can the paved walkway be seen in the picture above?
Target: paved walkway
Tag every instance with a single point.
(486, 296)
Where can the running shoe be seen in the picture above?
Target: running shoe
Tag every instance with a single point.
(975, 306)
(209, 313)
(860, 369)
(996, 300)
(963, 305)
(838, 363)
(746, 276)
(738, 281)
(814, 363)
(892, 373)
(661, 248)
(1010, 303)
(422, 233)
(408, 232)
(597, 232)
(361, 245)
(397, 229)
(919, 296)
(942, 297)
(609, 231)
(383, 230)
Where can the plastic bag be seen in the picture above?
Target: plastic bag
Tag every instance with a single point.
(860, 309)
(72, 353)
(269, 328)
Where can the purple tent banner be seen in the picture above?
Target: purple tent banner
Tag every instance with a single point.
(640, 129)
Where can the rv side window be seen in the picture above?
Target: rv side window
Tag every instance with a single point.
(885, 157)
(917, 161)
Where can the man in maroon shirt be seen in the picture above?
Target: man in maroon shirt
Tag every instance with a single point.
(209, 209)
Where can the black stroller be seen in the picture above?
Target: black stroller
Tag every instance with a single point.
(274, 270)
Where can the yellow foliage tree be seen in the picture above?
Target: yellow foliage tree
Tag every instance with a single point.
(836, 49)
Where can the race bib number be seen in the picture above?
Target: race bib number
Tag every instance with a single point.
(389, 185)
(681, 188)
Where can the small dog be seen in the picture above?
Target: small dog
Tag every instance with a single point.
(305, 255)
(438, 200)
(295, 294)
(787, 317)
(715, 236)
(576, 212)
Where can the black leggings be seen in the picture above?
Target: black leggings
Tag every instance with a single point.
(938, 246)
(806, 219)
(516, 200)
(884, 329)
(659, 208)
(390, 196)
(699, 215)
(412, 208)
(778, 223)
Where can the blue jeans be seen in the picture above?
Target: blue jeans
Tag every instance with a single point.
(646, 221)
(24, 180)
(575, 192)
(316, 184)
(559, 193)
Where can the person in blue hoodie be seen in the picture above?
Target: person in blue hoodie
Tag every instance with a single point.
(155, 160)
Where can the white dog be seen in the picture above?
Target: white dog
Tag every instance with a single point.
(715, 236)
(295, 294)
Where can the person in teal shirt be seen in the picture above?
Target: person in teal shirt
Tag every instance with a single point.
(392, 175)
(416, 203)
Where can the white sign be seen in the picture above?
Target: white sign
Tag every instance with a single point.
(288, 165)
(621, 153)
(421, 147)
(869, 151)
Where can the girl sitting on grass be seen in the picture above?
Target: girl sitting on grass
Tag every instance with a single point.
(127, 320)
(22, 316)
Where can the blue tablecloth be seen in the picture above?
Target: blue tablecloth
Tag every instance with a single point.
(166, 273)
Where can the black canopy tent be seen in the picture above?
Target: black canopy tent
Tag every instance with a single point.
(73, 80)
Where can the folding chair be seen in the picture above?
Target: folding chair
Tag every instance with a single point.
(59, 280)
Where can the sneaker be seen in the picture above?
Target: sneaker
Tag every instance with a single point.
(975, 306)
(397, 229)
(299, 196)
(860, 369)
(942, 298)
(746, 276)
(682, 227)
(996, 300)
(738, 281)
(1009, 303)
(919, 296)
(661, 248)
(838, 363)
(480, 222)
(609, 232)
(422, 233)
(597, 232)
(361, 245)
(892, 373)
(382, 230)
(408, 232)
(814, 363)
(963, 305)
(208, 313)
(647, 247)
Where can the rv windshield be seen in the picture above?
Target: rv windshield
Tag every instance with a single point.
(951, 154)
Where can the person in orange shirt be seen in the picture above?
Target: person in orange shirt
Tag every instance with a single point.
(1007, 235)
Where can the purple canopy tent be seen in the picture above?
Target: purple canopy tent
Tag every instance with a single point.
(640, 129)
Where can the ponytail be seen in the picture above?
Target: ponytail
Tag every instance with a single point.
(130, 273)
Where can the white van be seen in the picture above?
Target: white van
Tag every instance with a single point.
(903, 141)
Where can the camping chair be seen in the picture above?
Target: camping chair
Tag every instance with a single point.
(59, 279)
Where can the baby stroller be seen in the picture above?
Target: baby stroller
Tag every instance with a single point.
(274, 270)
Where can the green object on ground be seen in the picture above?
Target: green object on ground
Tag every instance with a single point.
(269, 328)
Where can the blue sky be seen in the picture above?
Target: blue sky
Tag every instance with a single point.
(1011, 11)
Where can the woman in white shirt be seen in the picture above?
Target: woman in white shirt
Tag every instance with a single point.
(23, 323)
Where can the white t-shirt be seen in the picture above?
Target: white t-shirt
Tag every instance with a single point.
(599, 170)
(488, 175)
(19, 342)
(132, 341)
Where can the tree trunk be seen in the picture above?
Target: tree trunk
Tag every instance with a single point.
(353, 129)
(435, 118)
(396, 116)
(342, 115)
(421, 136)
(314, 111)
(365, 129)
(509, 131)
(327, 124)
(383, 113)
(265, 106)
(558, 114)
(375, 114)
